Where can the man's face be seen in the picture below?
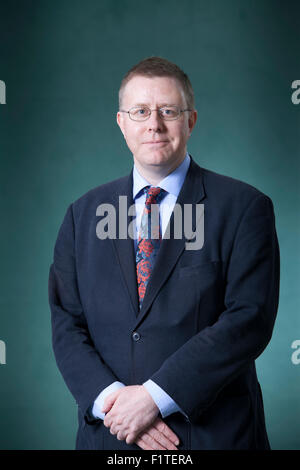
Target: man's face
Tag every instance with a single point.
(156, 142)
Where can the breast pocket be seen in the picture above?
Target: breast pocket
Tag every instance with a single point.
(208, 269)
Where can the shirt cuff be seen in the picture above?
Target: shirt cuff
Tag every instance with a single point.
(163, 401)
(99, 402)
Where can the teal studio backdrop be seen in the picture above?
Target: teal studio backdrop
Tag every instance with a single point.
(62, 62)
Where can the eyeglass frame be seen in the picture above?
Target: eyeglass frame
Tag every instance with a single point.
(142, 120)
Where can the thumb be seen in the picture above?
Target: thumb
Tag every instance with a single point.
(109, 401)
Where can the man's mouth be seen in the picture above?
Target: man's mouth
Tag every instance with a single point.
(156, 142)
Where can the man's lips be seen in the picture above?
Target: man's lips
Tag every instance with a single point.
(155, 142)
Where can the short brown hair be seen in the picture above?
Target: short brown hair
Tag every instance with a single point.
(160, 67)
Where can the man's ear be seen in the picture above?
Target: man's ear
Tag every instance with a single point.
(192, 119)
(120, 122)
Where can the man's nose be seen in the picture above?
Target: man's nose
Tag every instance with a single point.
(155, 121)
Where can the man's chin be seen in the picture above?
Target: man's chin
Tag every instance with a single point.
(157, 158)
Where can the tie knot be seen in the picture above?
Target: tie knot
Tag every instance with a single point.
(153, 195)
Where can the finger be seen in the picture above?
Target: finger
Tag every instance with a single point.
(107, 420)
(162, 427)
(152, 443)
(121, 436)
(142, 444)
(161, 438)
(109, 401)
(130, 438)
(113, 430)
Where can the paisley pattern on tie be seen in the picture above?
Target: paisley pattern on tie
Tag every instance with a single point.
(149, 239)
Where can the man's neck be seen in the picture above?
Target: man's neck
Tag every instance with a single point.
(156, 173)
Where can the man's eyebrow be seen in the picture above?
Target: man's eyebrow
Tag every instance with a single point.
(140, 104)
(161, 105)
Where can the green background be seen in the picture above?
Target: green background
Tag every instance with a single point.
(62, 62)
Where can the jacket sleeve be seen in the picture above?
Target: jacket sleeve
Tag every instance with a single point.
(195, 374)
(81, 366)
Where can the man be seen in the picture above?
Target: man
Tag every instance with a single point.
(155, 339)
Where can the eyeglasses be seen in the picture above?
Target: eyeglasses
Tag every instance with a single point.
(142, 113)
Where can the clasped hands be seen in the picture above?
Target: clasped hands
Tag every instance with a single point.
(132, 415)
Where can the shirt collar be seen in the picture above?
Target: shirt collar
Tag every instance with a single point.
(171, 183)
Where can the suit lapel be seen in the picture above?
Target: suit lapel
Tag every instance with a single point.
(125, 247)
(192, 192)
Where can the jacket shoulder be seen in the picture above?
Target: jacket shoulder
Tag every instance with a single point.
(228, 188)
(103, 193)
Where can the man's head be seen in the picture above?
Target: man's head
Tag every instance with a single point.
(158, 145)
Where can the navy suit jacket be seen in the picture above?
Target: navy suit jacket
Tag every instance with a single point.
(206, 316)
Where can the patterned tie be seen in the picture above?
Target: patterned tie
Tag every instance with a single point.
(149, 239)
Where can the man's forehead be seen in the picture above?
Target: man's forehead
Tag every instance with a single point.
(145, 89)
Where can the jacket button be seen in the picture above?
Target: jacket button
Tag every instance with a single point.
(136, 336)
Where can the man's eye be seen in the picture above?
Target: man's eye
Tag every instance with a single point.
(139, 111)
(168, 112)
